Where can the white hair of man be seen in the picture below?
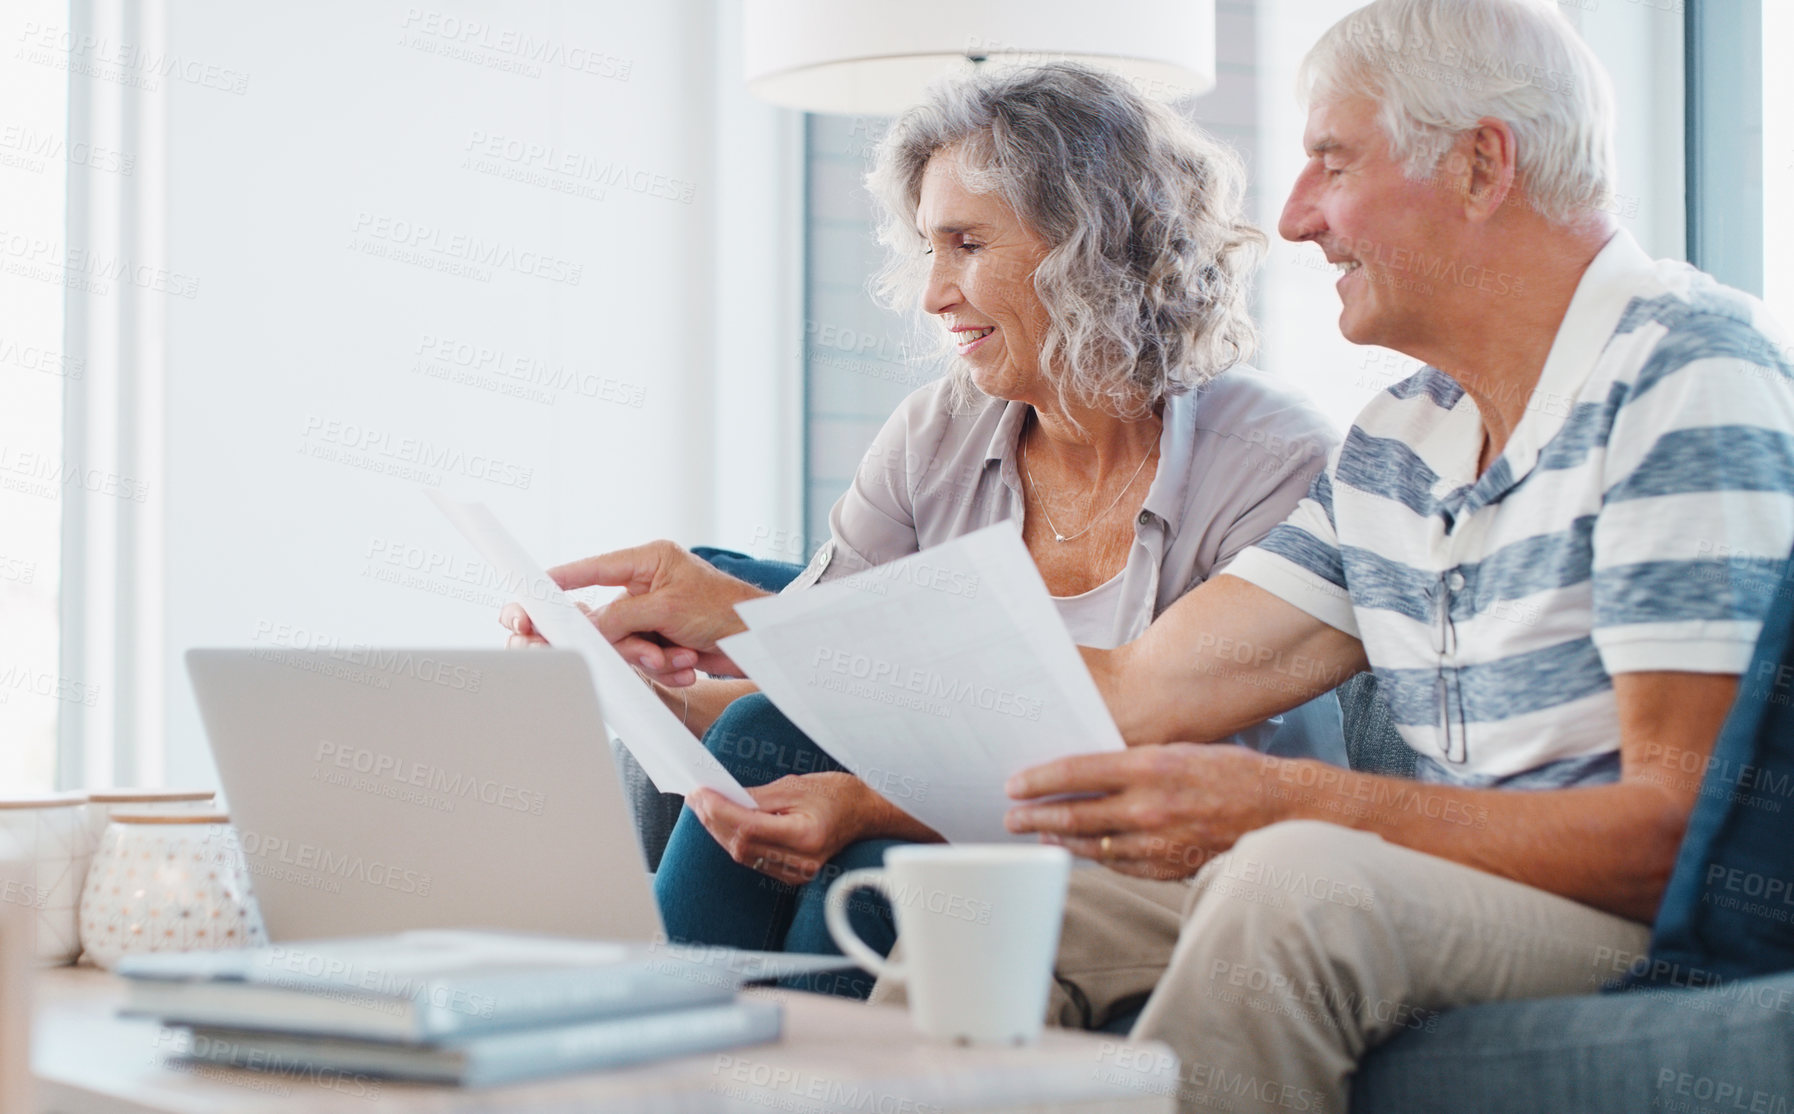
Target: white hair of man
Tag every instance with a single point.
(1436, 67)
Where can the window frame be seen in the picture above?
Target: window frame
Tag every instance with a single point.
(1724, 139)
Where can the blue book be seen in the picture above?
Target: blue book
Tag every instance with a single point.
(431, 985)
(481, 1061)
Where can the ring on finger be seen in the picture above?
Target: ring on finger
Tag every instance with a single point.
(1106, 845)
(759, 862)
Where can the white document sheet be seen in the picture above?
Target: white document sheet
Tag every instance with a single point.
(673, 760)
(933, 678)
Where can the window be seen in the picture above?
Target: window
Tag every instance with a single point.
(35, 161)
(281, 323)
(857, 363)
(1778, 162)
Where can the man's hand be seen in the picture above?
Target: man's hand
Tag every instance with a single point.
(1166, 810)
(1169, 809)
(803, 821)
(674, 609)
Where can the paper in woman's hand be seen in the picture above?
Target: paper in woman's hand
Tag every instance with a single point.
(933, 678)
(673, 760)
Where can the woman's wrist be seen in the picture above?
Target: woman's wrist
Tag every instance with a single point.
(710, 697)
(677, 701)
(865, 809)
(875, 817)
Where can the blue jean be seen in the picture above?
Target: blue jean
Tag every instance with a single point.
(708, 898)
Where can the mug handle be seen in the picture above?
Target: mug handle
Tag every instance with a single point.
(835, 913)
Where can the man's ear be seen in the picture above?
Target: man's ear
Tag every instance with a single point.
(1491, 159)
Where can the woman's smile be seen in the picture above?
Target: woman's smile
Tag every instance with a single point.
(969, 340)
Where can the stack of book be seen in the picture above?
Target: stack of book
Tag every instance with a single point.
(466, 1008)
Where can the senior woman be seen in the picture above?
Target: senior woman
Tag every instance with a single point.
(1085, 254)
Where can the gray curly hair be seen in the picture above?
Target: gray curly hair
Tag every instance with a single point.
(1147, 282)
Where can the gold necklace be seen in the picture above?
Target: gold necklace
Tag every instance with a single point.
(1088, 526)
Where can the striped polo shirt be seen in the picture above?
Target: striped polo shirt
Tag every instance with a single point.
(1638, 520)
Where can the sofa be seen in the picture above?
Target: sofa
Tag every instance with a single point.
(1706, 1023)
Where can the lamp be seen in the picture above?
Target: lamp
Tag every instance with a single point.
(876, 57)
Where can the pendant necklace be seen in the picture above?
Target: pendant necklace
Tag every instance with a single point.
(1062, 537)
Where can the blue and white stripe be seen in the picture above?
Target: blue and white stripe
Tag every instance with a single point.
(1638, 520)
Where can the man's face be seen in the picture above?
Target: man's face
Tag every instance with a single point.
(1353, 200)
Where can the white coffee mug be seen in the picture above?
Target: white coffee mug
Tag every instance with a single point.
(980, 927)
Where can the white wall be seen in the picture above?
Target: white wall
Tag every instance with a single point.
(316, 376)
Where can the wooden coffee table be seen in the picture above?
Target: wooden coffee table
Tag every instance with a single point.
(835, 1055)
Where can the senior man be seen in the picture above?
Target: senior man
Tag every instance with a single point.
(1554, 545)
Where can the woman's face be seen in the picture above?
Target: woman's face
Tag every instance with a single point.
(981, 282)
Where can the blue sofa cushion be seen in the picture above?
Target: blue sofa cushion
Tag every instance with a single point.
(768, 576)
(1728, 911)
(1650, 1050)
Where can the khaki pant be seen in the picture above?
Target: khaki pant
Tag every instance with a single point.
(1302, 948)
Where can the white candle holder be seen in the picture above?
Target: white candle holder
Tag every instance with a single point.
(167, 881)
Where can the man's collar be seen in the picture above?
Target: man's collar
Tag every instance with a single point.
(1606, 288)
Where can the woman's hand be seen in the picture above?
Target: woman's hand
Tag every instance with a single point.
(674, 609)
(523, 634)
(803, 821)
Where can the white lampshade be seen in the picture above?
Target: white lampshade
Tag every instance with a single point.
(877, 57)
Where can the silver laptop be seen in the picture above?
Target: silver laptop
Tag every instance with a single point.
(382, 790)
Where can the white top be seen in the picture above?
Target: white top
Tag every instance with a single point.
(1090, 616)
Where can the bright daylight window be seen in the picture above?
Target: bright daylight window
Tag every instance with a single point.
(1778, 162)
(33, 367)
